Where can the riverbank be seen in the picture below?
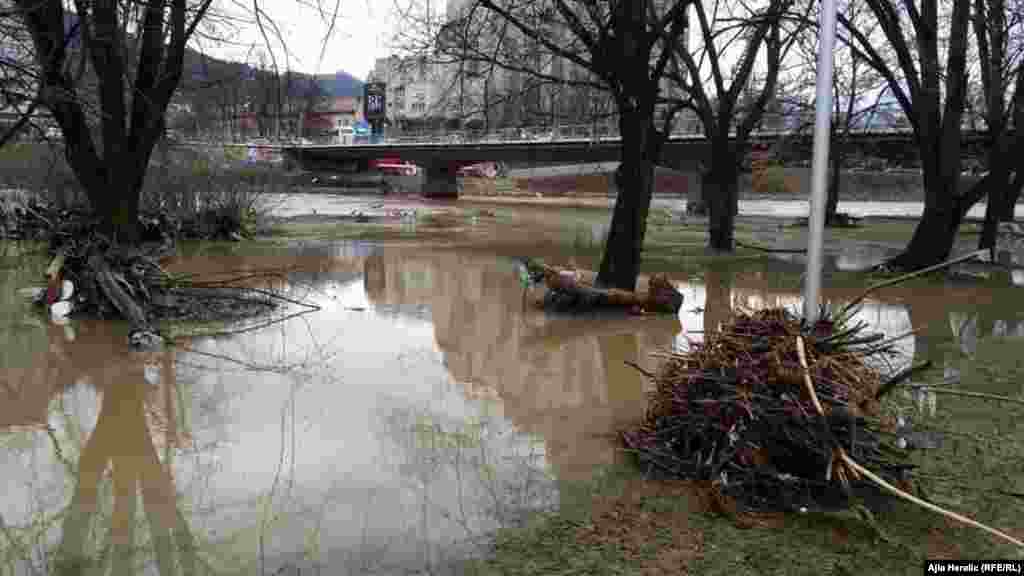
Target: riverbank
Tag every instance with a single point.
(624, 522)
(782, 184)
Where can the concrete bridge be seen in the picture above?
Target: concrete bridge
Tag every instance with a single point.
(442, 155)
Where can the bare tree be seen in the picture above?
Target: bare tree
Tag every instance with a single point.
(932, 93)
(625, 49)
(20, 97)
(998, 36)
(730, 105)
(856, 96)
(125, 44)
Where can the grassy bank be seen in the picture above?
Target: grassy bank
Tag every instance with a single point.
(624, 523)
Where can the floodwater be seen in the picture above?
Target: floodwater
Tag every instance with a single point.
(333, 205)
(420, 408)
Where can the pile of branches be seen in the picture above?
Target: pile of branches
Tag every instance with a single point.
(88, 275)
(769, 411)
(112, 281)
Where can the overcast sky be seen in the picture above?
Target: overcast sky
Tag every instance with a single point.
(361, 34)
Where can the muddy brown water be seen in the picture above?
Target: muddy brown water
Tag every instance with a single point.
(422, 407)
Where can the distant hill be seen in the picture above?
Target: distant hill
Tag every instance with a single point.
(202, 69)
(340, 83)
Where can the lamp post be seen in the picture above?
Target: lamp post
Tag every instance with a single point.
(819, 161)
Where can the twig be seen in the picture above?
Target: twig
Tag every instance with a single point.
(646, 373)
(900, 377)
(858, 469)
(802, 353)
(983, 395)
(910, 275)
(254, 327)
(771, 250)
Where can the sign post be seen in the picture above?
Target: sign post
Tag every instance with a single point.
(375, 107)
(819, 161)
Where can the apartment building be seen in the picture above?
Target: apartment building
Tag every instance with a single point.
(423, 93)
(414, 88)
(515, 98)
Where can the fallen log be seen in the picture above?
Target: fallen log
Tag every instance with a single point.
(568, 290)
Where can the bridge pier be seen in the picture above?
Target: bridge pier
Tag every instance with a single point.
(440, 180)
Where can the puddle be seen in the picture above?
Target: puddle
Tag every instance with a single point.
(423, 407)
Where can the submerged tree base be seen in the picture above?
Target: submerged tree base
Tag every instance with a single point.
(90, 276)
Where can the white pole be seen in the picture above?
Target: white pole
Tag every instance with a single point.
(819, 162)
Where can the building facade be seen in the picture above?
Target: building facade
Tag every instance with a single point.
(423, 93)
(414, 88)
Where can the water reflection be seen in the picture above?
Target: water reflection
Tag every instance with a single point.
(424, 406)
(563, 379)
(107, 418)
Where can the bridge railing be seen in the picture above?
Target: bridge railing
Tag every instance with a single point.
(772, 126)
(683, 127)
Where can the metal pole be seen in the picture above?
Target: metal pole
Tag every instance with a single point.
(819, 162)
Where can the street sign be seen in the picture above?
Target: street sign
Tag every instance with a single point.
(374, 105)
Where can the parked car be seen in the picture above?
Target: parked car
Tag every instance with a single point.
(394, 167)
(481, 170)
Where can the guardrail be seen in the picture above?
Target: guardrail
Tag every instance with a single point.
(563, 133)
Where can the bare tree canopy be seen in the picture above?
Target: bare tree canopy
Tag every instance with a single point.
(731, 103)
(107, 72)
(639, 55)
(621, 48)
(927, 73)
(857, 93)
(999, 39)
(126, 61)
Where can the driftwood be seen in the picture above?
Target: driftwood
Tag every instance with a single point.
(576, 290)
(114, 291)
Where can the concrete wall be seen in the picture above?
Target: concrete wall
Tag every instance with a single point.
(878, 186)
(883, 186)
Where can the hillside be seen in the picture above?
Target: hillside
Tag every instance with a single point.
(203, 70)
(340, 83)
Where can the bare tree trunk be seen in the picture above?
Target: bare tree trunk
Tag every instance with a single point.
(832, 201)
(620, 264)
(997, 184)
(1013, 194)
(934, 235)
(721, 191)
(718, 297)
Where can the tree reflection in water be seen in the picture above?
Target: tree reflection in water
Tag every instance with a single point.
(122, 440)
(119, 460)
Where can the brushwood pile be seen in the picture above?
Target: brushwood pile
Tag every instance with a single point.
(734, 411)
(89, 276)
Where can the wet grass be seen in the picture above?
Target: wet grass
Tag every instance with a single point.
(978, 470)
(622, 523)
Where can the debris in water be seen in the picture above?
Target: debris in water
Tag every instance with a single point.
(144, 340)
(568, 290)
(60, 310)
